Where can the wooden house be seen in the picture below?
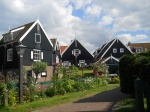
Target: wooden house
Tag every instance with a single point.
(56, 51)
(110, 53)
(38, 48)
(76, 54)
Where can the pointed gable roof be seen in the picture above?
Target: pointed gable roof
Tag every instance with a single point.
(103, 60)
(25, 29)
(104, 48)
(75, 40)
(107, 46)
(55, 43)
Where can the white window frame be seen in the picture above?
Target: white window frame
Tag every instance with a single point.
(114, 50)
(36, 52)
(76, 52)
(37, 36)
(139, 49)
(9, 54)
(121, 50)
(66, 63)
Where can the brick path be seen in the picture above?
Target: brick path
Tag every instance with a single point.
(102, 102)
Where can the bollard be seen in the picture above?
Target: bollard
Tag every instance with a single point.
(147, 95)
(139, 95)
(5, 99)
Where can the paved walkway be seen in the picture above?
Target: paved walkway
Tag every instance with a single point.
(102, 102)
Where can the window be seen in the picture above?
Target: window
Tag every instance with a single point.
(114, 50)
(76, 52)
(9, 54)
(36, 55)
(82, 63)
(7, 37)
(44, 74)
(37, 38)
(138, 49)
(121, 50)
(66, 64)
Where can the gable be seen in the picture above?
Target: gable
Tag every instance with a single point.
(68, 53)
(36, 39)
(118, 46)
(104, 48)
(36, 25)
(107, 49)
(110, 60)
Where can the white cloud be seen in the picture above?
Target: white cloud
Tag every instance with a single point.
(58, 21)
(129, 38)
(106, 20)
(93, 10)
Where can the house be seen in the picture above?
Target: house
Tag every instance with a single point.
(76, 54)
(110, 53)
(139, 47)
(38, 48)
(56, 51)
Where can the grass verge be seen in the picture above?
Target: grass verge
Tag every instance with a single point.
(128, 105)
(56, 100)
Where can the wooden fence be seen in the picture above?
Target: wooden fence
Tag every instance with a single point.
(141, 92)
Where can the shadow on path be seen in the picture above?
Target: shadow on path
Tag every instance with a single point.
(112, 96)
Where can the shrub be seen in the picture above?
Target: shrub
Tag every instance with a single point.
(12, 96)
(115, 80)
(131, 67)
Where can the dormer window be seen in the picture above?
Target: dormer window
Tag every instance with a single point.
(37, 38)
(7, 37)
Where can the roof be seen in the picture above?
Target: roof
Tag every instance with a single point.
(103, 60)
(25, 29)
(62, 48)
(104, 48)
(54, 42)
(107, 46)
(72, 41)
(145, 46)
(17, 37)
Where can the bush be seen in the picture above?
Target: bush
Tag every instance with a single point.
(115, 80)
(131, 67)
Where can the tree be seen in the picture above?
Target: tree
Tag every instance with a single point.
(38, 67)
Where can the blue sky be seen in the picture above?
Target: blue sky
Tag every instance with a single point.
(93, 21)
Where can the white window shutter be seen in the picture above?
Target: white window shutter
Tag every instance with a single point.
(69, 64)
(79, 51)
(31, 54)
(41, 55)
(72, 52)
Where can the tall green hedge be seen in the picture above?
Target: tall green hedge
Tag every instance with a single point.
(131, 67)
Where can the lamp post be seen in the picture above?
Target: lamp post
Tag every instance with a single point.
(20, 50)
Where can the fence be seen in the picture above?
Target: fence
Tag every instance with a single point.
(141, 92)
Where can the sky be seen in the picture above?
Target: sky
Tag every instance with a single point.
(92, 22)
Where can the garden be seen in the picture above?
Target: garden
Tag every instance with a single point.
(74, 80)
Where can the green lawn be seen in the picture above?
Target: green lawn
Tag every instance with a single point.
(56, 100)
